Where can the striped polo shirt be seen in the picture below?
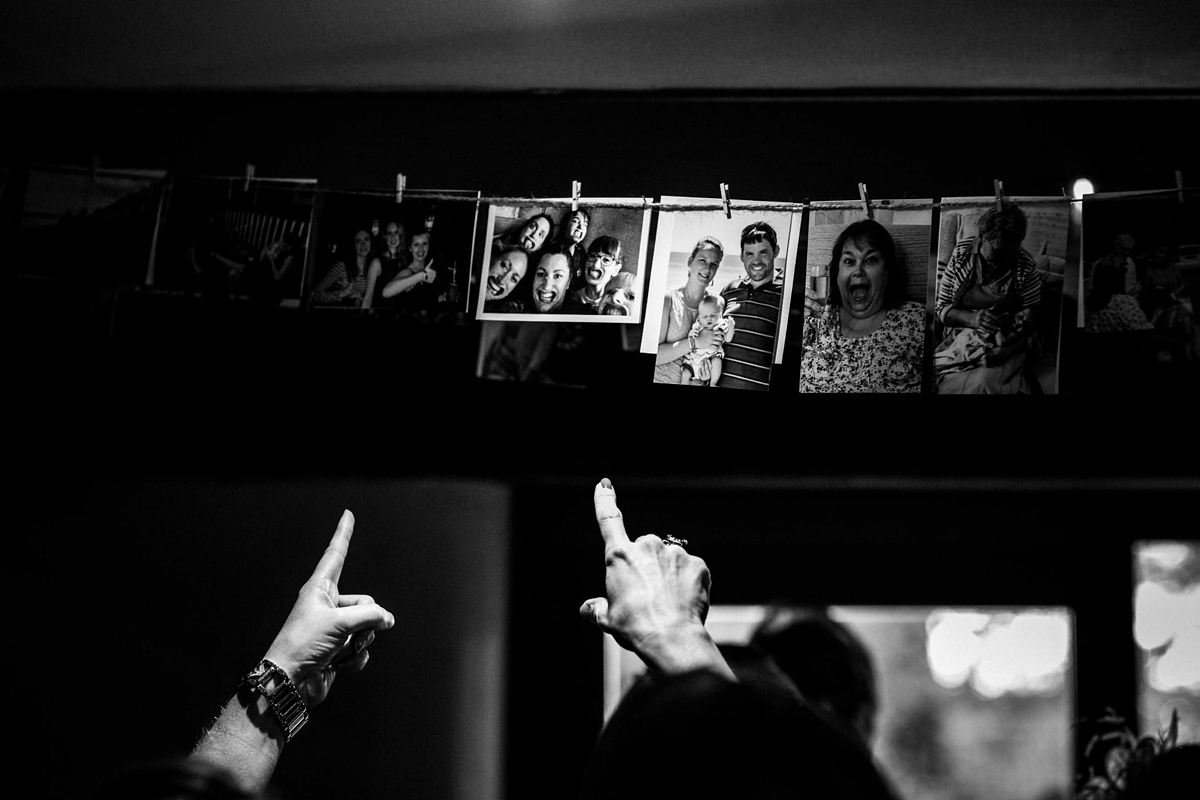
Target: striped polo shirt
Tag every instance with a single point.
(748, 355)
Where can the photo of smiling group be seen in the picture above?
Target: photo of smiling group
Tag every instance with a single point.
(543, 263)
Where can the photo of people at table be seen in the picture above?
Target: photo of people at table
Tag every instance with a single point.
(864, 300)
(998, 298)
(390, 258)
(1141, 280)
(553, 262)
(220, 238)
(718, 294)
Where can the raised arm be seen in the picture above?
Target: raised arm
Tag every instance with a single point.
(656, 597)
(325, 634)
(404, 281)
(668, 351)
(373, 273)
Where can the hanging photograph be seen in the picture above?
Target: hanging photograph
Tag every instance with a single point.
(548, 263)
(390, 258)
(232, 238)
(1141, 281)
(998, 294)
(719, 294)
(864, 299)
(92, 226)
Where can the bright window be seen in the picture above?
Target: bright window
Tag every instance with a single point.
(973, 702)
(1166, 627)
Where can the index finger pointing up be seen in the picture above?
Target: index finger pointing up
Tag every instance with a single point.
(608, 516)
(330, 565)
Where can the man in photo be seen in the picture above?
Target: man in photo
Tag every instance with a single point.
(602, 263)
(551, 280)
(752, 302)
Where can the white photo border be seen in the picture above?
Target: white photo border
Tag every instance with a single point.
(584, 202)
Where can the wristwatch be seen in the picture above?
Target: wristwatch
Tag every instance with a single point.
(269, 680)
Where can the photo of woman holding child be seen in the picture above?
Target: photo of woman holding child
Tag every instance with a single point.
(717, 303)
(681, 310)
(999, 297)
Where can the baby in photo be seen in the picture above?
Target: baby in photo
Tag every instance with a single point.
(704, 364)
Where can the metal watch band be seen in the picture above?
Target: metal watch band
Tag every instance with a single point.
(284, 700)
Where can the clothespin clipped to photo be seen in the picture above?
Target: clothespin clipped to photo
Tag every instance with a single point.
(866, 200)
(401, 182)
(725, 200)
(999, 187)
(576, 187)
(249, 177)
(1179, 183)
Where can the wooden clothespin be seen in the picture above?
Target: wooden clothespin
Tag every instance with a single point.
(1179, 183)
(725, 200)
(401, 182)
(249, 177)
(576, 187)
(866, 200)
(998, 185)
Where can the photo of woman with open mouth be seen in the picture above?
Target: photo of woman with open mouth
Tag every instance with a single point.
(866, 337)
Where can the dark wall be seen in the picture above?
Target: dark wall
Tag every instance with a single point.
(154, 596)
(765, 146)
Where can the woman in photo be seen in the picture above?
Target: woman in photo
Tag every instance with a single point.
(393, 257)
(680, 309)
(537, 230)
(346, 281)
(866, 337)
(988, 301)
(412, 280)
(505, 274)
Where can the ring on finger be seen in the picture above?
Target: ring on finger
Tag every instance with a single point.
(669, 540)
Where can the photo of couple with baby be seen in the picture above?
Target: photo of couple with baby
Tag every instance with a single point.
(714, 317)
(582, 265)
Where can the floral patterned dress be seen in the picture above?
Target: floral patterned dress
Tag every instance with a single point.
(888, 360)
(679, 325)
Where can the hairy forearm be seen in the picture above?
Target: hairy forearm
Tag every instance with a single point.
(245, 740)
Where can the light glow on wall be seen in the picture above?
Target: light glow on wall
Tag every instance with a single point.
(1023, 653)
(1166, 627)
